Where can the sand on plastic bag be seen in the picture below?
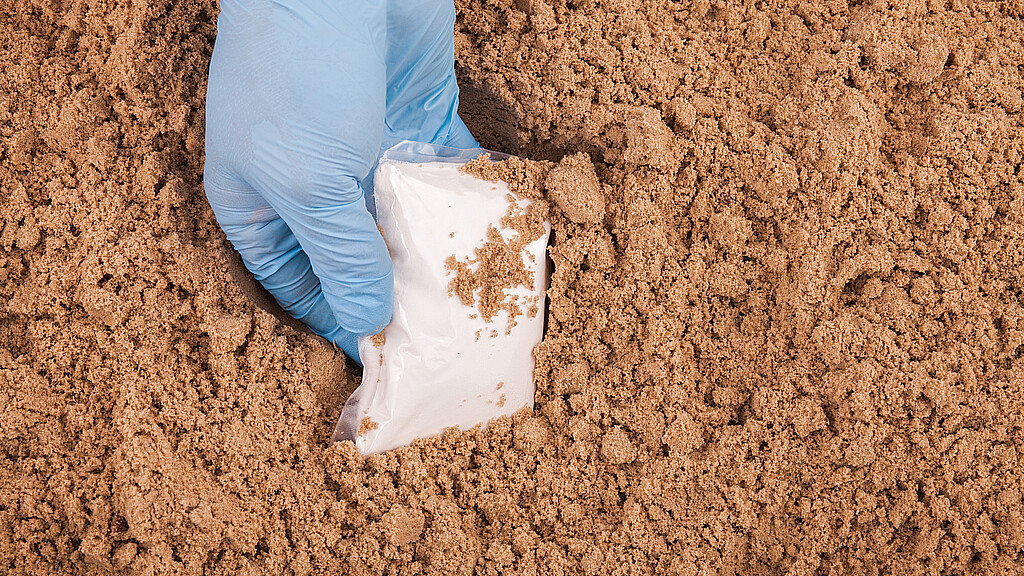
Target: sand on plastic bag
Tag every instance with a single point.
(470, 269)
(785, 318)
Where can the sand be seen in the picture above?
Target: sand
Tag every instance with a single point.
(483, 281)
(784, 333)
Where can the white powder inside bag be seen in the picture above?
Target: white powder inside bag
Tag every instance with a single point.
(439, 363)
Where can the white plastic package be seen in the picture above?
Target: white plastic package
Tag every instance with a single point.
(439, 363)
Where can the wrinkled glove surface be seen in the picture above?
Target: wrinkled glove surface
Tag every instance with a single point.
(303, 95)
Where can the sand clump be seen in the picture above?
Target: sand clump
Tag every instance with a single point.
(575, 189)
(402, 525)
(784, 328)
(483, 280)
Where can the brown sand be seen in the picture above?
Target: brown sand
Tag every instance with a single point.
(789, 343)
(483, 280)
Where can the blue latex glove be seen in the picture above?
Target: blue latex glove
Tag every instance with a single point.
(302, 96)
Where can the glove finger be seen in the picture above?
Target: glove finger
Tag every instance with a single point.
(346, 252)
(300, 94)
(272, 253)
(422, 94)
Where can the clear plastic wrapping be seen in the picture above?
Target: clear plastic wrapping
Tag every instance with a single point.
(439, 363)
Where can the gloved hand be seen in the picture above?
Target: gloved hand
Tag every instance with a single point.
(303, 95)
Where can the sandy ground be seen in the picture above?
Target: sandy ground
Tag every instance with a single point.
(785, 326)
